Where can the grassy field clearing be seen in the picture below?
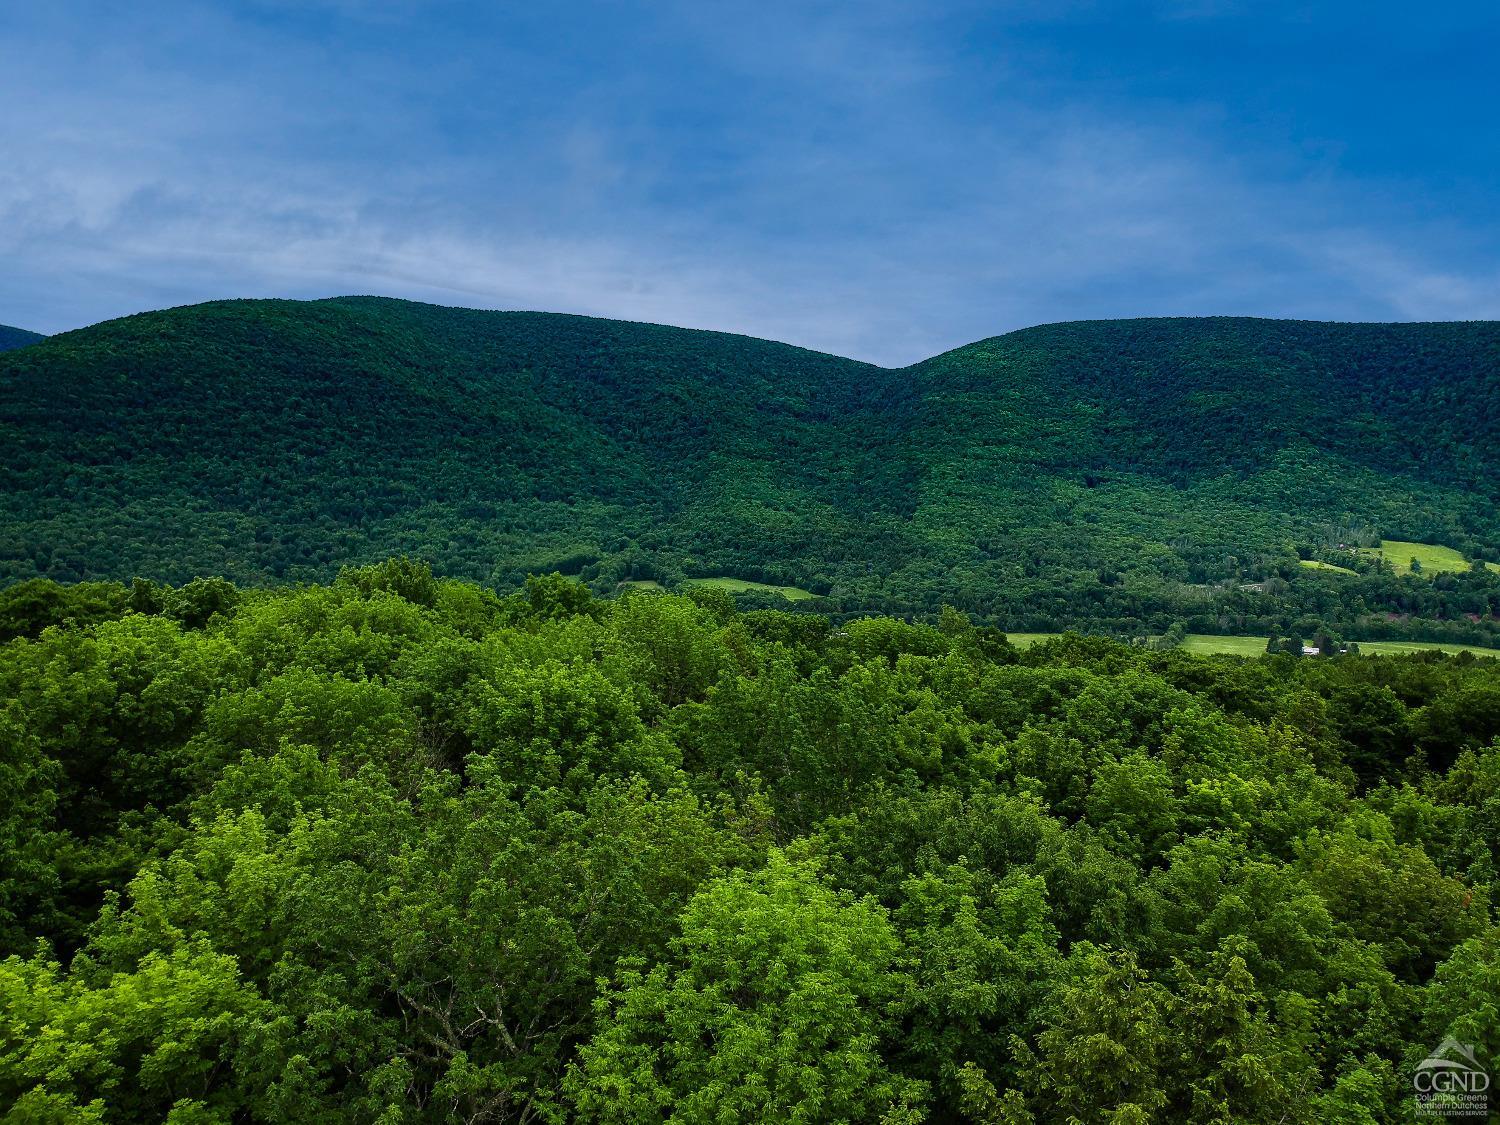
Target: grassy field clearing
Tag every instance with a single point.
(1396, 648)
(1226, 646)
(744, 586)
(1256, 646)
(1026, 640)
(1434, 559)
(1207, 645)
(1318, 564)
(642, 584)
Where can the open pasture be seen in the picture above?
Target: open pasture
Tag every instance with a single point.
(1432, 558)
(745, 586)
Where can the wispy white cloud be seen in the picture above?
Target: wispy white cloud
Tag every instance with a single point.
(1412, 289)
(864, 186)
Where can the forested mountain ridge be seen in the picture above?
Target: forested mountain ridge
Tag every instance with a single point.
(1186, 397)
(17, 337)
(1118, 473)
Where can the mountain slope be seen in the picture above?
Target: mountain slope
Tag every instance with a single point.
(17, 337)
(282, 438)
(1182, 397)
(1096, 471)
(1224, 435)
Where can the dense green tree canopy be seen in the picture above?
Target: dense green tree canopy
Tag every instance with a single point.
(405, 849)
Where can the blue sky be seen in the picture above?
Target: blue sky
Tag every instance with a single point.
(882, 180)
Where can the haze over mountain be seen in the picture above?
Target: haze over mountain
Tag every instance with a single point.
(17, 337)
(1109, 471)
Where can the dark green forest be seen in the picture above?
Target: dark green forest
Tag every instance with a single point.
(405, 849)
(1119, 476)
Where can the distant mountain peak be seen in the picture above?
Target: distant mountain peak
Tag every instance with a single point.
(17, 337)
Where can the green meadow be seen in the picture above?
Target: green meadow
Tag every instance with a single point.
(1256, 646)
(1206, 644)
(1318, 564)
(1026, 640)
(745, 586)
(1433, 559)
(1396, 648)
(1224, 646)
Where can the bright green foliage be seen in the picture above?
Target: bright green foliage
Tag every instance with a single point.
(407, 578)
(1106, 1045)
(1463, 999)
(772, 1006)
(178, 1038)
(28, 801)
(1239, 1060)
(405, 849)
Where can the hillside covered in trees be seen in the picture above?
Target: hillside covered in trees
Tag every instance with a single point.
(1122, 475)
(399, 849)
(17, 337)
